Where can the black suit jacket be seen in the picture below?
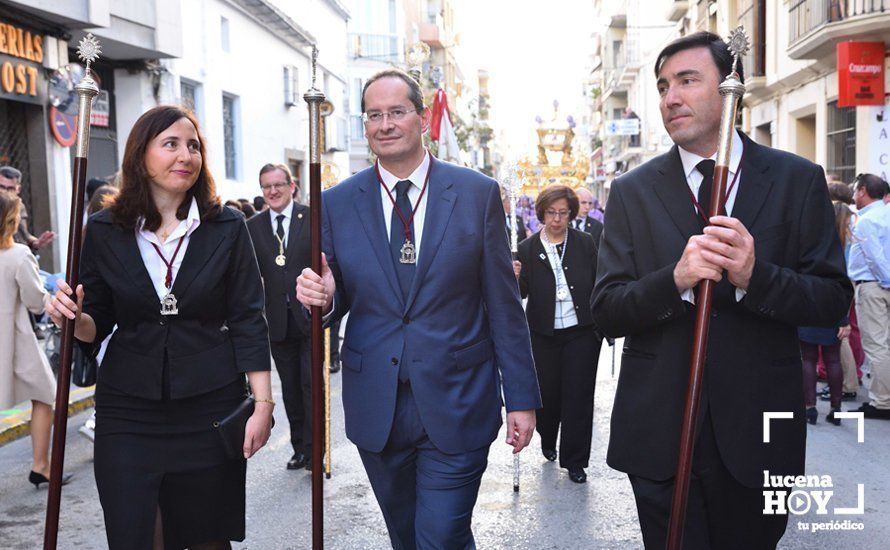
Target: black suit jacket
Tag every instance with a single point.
(593, 228)
(521, 233)
(220, 331)
(753, 359)
(538, 284)
(280, 282)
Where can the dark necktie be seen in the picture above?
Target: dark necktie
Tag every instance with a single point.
(280, 230)
(706, 168)
(723, 291)
(405, 272)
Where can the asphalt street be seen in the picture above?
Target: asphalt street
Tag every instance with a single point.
(549, 511)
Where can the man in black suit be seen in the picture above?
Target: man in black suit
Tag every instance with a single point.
(778, 264)
(515, 221)
(281, 238)
(583, 222)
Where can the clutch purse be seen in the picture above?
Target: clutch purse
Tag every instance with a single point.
(231, 429)
(84, 368)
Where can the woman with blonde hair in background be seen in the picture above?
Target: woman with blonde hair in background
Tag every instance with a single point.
(24, 369)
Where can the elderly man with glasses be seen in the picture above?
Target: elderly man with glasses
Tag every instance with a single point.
(280, 237)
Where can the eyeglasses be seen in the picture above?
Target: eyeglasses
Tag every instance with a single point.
(556, 213)
(376, 117)
(276, 186)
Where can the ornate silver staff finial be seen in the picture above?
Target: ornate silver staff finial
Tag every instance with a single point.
(738, 45)
(88, 50)
(314, 64)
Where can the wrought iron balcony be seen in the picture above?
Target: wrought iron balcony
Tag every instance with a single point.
(817, 25)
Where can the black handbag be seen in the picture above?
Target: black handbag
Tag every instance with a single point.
(84, 368)
(231, 429)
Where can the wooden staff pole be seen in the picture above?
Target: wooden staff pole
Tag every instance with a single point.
(327, 403)
(314, 98)
(732, 90)
(86, 91)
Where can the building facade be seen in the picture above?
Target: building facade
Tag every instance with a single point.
(791, 70)
(625, 123)
(376, 42)
(241, 65)
(244, 69)
(35, 131)
(793, 84)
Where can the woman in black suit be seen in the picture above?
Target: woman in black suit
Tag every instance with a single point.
(176, 273)
(556, 271)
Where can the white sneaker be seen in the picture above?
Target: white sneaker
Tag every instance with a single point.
(87, 432)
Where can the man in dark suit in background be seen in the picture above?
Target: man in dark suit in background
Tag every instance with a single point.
(415, 252)
(584, 222)
(778, 264)
(515, 221)
(281, 238)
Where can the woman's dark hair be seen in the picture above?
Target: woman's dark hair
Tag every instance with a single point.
(134, 200)
(553, 193)
(248, 210)
(93, 185)
(102, 197)
(840, 192)
(259, 203)
(842, 215)
(702, 39)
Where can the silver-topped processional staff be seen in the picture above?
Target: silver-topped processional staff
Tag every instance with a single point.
(732, 89)
(511, 182)
(314, 98)
(88, 50)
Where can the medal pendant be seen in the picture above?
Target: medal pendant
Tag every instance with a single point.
(168, 305)
(408, 254)
(562, 294)
(280, 260)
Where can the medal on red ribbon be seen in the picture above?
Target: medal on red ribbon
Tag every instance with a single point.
(168, 302)
(408, 252)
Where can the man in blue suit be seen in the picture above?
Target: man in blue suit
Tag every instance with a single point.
(415, 252)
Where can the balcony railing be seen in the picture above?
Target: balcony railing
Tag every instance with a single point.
(382, 47)
(808, 15)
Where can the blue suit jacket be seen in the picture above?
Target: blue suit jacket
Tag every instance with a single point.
(462, 329)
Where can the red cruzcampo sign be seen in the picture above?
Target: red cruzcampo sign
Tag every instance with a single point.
(860, 73)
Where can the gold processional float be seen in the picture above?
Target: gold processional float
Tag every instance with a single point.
(555, 163)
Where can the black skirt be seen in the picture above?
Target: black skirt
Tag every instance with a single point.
(166, 455)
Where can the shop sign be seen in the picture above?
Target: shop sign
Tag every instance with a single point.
(101, 107)
(623, 127)
(21, 69)
(860, 73)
